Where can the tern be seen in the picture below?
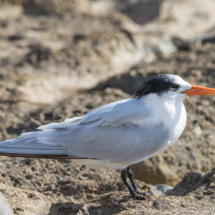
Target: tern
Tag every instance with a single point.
(118, 134)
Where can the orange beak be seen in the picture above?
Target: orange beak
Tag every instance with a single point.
(196, 90)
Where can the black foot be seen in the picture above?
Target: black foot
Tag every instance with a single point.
(138, 197)
(135, 193)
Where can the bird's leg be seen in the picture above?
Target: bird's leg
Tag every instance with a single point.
(130, 176)
(132, 192)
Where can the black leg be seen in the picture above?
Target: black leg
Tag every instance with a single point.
(132, 192)
(130, 176)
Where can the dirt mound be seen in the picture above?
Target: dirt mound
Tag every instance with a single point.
(73, 189)
(199, 190)
(52, 48)
(195, 182)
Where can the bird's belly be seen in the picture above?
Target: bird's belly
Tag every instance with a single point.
(152, 137)
(163, 135)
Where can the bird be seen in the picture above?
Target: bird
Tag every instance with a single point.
(118, 134)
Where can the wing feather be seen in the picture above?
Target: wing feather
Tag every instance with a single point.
(111, 133)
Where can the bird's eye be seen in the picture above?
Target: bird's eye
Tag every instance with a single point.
(175, 87)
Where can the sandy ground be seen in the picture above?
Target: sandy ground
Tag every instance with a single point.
(53, 69)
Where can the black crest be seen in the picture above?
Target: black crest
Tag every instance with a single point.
(158, 84)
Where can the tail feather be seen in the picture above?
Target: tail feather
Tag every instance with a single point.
(38, 156)
(29, 147)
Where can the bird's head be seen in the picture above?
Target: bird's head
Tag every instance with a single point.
(167, 85)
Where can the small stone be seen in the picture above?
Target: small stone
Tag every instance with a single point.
(197, 130)
(29, 177)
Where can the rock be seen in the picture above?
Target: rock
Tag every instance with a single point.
(161, 189)
(25, 201)
(4, 206)
(197, 130)
(190, 182)
(187, 16)
(141, 12)
(193, 182)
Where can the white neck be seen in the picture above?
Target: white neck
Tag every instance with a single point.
(170, 110)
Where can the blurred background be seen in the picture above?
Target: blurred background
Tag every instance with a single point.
(60, 59)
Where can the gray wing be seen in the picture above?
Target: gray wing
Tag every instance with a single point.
(112, 133)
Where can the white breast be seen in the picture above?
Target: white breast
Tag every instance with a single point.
(173, 115)
(178, 124)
